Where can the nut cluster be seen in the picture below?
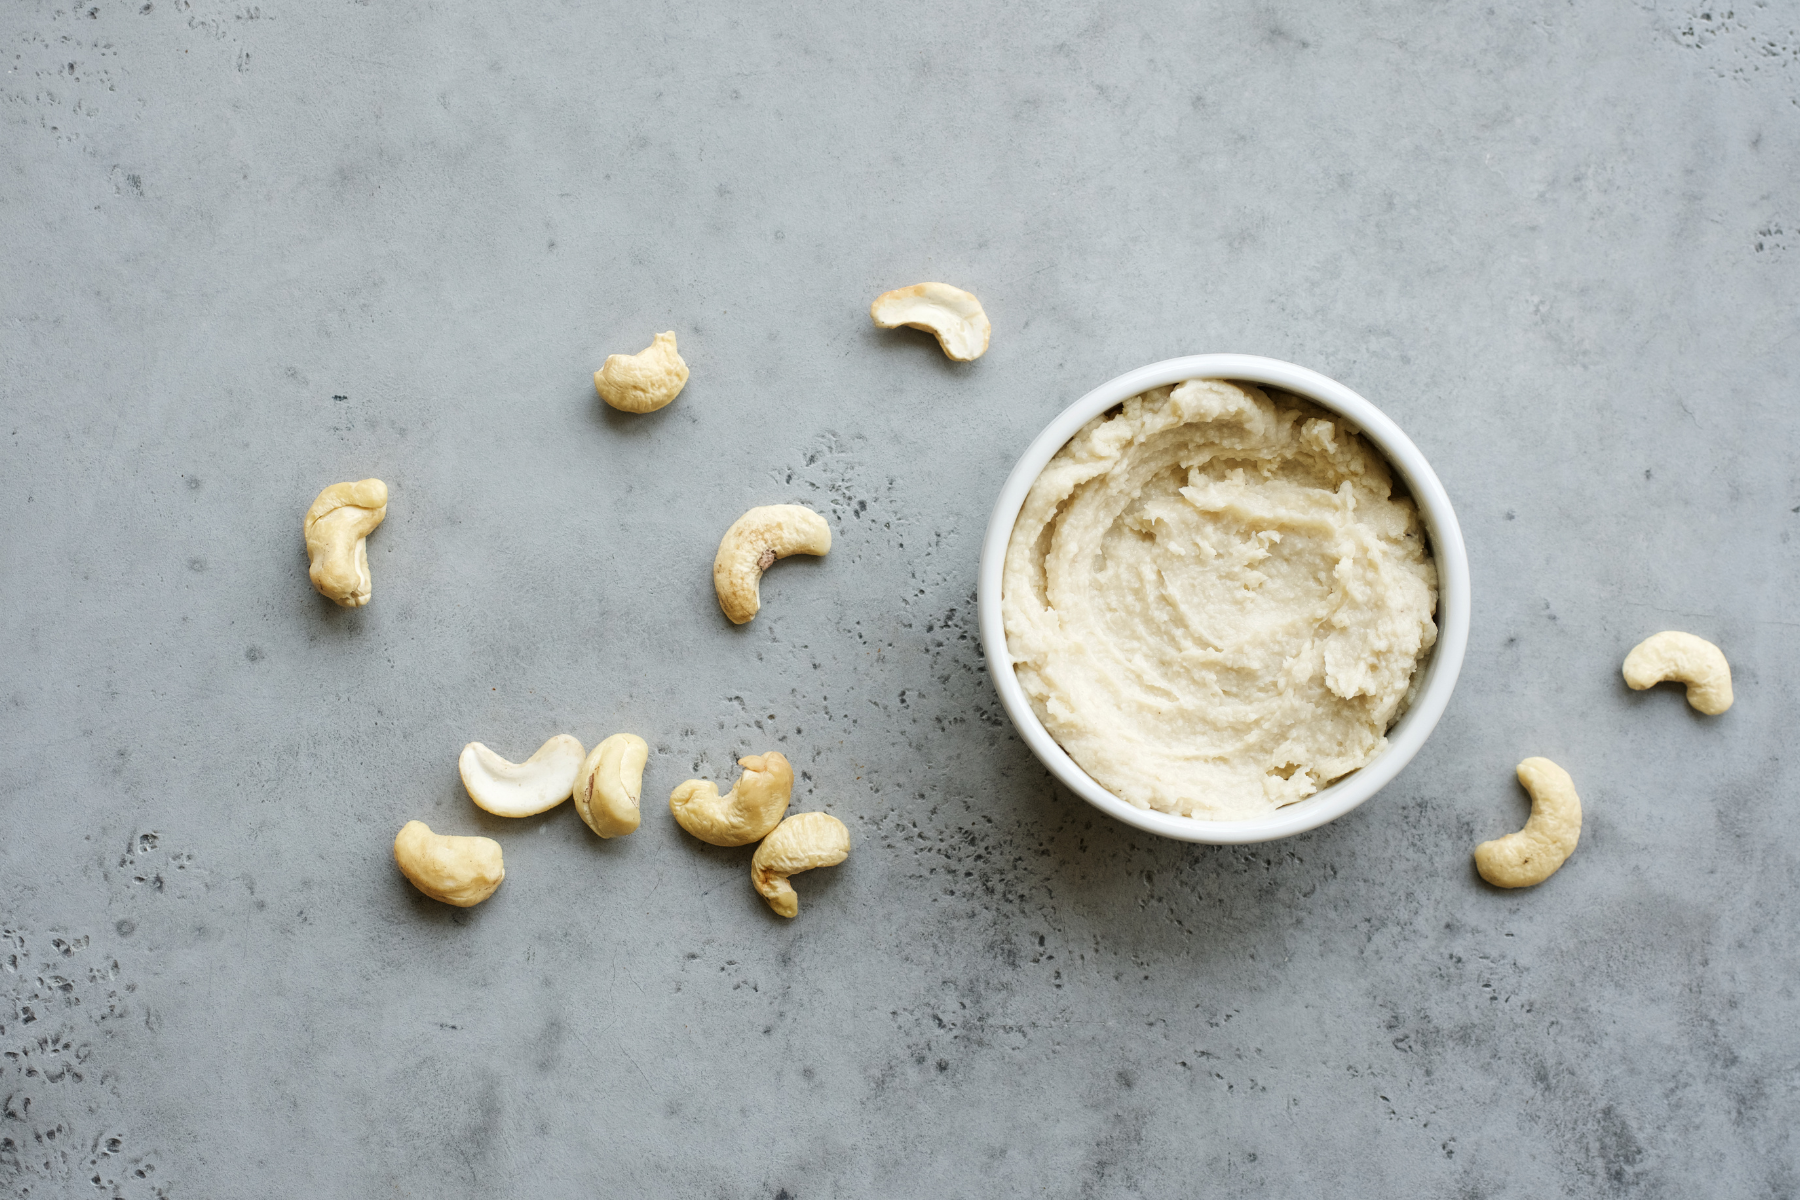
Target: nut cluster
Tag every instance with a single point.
(606, 784)
(1534, 853)
(752, 811)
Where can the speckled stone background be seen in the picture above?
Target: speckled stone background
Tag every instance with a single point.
(249, 249)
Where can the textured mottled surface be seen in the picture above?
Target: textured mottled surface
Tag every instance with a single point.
(252, 249)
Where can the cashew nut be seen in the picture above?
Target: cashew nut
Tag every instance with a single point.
(337, 527)
(1534, 853)
(509, 789)
(951, 313)
(746, 812)
(462, 871)
(751, 546)
(643, 382)
(800, 843)
(608, 784)
(1686, 659)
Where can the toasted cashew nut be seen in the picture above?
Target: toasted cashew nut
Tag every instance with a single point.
(800, 843)
(337, 527)
(608, 784)
(751, 546)
(1534, 853)
(1686, 659)
(645, 381)
(746, 812)
(510, 789)
(462, 871)
(952, 314)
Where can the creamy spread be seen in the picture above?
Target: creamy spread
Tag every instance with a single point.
(1215, 601)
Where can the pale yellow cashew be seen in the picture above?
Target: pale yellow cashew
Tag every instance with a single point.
(952, 314)
(462, 871)
(800, 843)
(751, 546)
(1685, 659)
(337, 527)
(645, 381)
(608, 785)
(1534, 853)
(744, 814)
(510, 789)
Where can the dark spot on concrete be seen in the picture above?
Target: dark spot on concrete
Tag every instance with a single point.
(125, 927)
(253, 653)
(1620, 1150)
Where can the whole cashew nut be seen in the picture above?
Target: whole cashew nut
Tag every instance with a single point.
(462, 871)
(510, 789)
(952, 314)
(608, 785)
(1534, 853)
(645, 381)
(744, 814)
(751, 546)
(337, 527)
(800, 843)
(1686, 659)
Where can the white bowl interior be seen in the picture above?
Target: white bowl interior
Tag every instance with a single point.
(1439, 671)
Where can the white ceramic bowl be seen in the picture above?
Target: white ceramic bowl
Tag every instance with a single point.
(1440, 669)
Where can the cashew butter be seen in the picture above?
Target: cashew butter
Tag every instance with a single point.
(1215, 601)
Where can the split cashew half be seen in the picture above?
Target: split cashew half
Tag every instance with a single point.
(608, 785)
(337, 527)
(462, 871)
(643, 382)
(952, 314)
(1534, 853)
(751, 546)
(510, 789)
(800, 843)
(744, 814)
(1685, 659)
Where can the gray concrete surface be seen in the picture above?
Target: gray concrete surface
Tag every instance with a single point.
(249, 249)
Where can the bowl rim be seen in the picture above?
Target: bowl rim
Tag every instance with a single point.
(1441, 670)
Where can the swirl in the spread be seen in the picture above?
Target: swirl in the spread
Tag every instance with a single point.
(1214, 601)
